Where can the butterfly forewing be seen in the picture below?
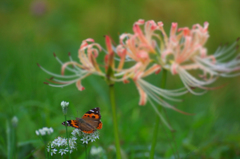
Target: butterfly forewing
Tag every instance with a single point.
(93, 117)
(85, 126)
(72, 123)
(93, 113)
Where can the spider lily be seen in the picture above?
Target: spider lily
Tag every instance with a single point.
(138, 48)
(183, 51)
(132, 48)
(87, 54)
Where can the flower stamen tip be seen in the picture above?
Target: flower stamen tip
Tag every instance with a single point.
(237, 47)
(38, 65)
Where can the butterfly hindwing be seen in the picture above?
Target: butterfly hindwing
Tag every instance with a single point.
(85, 126)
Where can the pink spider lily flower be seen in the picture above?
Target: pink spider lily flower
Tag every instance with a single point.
(188, 52)
(183, 51)
(141, 69)
(87, 54)
(137, 49)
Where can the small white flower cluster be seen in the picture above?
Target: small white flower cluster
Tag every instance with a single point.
(64, 107)
(85, 138)
(60, 144)
(14, 121)
(44, 131)
(96, 151)
(64, 104)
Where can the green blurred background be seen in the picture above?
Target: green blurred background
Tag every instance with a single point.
(30, 31)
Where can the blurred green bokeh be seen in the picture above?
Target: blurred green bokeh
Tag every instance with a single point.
(30, 31)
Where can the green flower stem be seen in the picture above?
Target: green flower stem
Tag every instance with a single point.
(157, 122)
(13, 141)
(9, 142)
(67, 137)
(50, 149)
(114, 116)
(86, 154)
(45, 149)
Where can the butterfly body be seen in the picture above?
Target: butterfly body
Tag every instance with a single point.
(89, 122)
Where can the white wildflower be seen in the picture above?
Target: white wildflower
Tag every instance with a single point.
(64, 106)
(52, 151)
(14, 121)
(60, 145)
(96, 151)
(62, 152)
(89, 137)
(76, 132)
(44, 131)
(84, 140)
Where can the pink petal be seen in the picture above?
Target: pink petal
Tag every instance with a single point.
(173, 29)
(79, 85)
(143, 95)
(174, 68)
(160, 24)
(140, 22)
(108, 44)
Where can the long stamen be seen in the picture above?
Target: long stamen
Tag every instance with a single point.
(161, 101)
(164, 93)
(57, 75)
(151, 91)
(71, 81)
(69, 69)
(76, 68)
(224, 50)
(160, 115)
(190, 89)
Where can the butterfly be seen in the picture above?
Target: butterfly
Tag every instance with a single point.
(89, 122)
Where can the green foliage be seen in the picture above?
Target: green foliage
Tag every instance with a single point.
(30, 31)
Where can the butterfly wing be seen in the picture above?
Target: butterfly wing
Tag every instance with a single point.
(89, 122)
(72, 123)
(93, 117)
(85, 126)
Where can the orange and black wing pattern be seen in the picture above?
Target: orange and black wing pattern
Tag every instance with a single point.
(72, 123)
(89, 122)
(93, 117)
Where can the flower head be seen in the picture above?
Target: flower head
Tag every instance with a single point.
(184, 50)
(60, 145)
(85, 138)
(140, 47)
(44, 131)
(14, 121)
(96, 151)
(87, 54)
(64, 106)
